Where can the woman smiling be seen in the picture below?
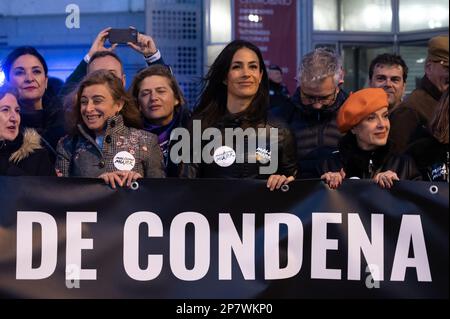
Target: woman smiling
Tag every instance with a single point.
(364, 152)
(106, 140)
(21, 154)
(236, 97)
(26, 70)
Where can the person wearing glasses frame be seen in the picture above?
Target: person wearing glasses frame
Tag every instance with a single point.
(312, 115)
(318, 100)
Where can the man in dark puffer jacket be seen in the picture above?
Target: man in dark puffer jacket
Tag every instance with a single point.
(312, 115)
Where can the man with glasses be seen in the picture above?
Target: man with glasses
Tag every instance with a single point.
(411, 118)
(313, 118)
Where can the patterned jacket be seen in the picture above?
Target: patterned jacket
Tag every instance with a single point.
(81, 156)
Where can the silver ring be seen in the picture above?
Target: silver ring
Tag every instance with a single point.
(285, 188)
(134, 186)
(434, 189)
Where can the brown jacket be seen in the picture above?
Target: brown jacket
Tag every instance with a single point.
(411, 118)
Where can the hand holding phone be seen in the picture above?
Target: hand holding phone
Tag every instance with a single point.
(145, 45)
(123, 36)
(99, 43)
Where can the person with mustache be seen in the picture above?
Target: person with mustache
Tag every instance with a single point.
(365, 151)
(21, 153)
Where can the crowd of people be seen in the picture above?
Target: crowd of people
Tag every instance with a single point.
(93, 127)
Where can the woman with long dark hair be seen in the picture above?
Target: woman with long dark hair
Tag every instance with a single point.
(235, 96)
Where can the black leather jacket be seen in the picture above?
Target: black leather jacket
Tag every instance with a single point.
(366, 164)
(287, 162)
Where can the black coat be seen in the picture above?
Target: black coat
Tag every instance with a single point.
(278, 95)
(247, 169)
(316, 132)
(366, 164)
(432, 158)
(28, 159)
(48, 122)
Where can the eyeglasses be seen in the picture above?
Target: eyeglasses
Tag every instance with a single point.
(324, 100)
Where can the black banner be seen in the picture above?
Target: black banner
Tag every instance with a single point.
(177, 239)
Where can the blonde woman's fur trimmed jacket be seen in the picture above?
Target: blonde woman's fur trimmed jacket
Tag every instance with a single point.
(25, 156)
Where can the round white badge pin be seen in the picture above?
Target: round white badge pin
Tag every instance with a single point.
(124, 161)
(224, 156)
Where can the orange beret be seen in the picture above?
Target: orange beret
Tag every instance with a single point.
(359, 105)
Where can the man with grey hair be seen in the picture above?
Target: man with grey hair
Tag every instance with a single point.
(312, 116)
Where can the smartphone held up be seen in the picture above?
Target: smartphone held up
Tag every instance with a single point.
(122, 36)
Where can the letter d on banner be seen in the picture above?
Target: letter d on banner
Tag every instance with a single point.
(49, 247)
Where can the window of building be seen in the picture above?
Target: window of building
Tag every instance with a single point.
(219, 30)
(220, 21)
(357, 58)
(353, 15)
(414, 56)
(423, 15)
(367, 15)
(326, 15)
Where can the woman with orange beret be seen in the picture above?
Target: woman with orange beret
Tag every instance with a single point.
(365, 152)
